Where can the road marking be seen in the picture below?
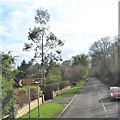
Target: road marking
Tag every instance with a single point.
(68, 105)
(94, 85)
(102, 102)
(107, 113)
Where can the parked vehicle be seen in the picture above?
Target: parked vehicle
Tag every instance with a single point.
(114, 93)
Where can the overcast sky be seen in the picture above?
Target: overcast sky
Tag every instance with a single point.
(78, 22)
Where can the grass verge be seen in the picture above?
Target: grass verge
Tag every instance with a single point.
(47, 110)
(72, 91)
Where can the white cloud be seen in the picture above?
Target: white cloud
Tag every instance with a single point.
(3, 31)
(98, 17)
(78, 22)
(95, 18)
(17, 50)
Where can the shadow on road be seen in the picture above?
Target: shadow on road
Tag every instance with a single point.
(107, 100)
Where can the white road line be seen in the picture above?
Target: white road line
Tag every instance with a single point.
(93, 85)
(102, 102)
(68, 105)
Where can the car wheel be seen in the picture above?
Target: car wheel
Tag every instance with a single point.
(111, 99)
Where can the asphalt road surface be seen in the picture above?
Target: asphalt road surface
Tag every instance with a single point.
(92, 102)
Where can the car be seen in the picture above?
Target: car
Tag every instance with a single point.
(114, 93)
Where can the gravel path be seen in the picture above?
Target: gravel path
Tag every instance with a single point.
(64, 101)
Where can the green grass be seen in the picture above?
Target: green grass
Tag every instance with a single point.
(72, 91)
(47, 110)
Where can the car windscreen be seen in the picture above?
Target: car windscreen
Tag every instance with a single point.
(115, 90)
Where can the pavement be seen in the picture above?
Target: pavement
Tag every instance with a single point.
(64, 101)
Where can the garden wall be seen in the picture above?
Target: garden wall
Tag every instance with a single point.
(25, 109)
(50, 94)
(55, 93)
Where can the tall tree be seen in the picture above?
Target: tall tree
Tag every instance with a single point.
(76, 60)
(42, 42)
(66, 69)
(80, 60)
(24, 70)
(53, 73)
(79, 68)
(6, 79)
(104, 59)
(98, 52)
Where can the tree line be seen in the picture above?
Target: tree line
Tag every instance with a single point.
(105, 60)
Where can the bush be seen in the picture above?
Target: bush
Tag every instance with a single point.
(48, 89)
(63, 84)
(21, 95)
(34, 94)
(57, 86)
(54, 87)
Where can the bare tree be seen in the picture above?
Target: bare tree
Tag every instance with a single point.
(104, 59)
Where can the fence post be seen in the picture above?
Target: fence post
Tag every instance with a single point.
(38, 103)
(29, 100)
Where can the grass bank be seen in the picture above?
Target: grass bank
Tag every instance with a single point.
(72, 91)
(47, 110)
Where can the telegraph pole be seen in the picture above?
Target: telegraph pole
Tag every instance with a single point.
(118, 42)
(43, 80)
(118, 35)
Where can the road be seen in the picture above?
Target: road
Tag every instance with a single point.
(92, 102)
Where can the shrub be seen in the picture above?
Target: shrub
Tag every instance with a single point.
(21, 95)
(63, 84)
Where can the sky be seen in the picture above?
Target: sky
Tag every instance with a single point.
(78, 22)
